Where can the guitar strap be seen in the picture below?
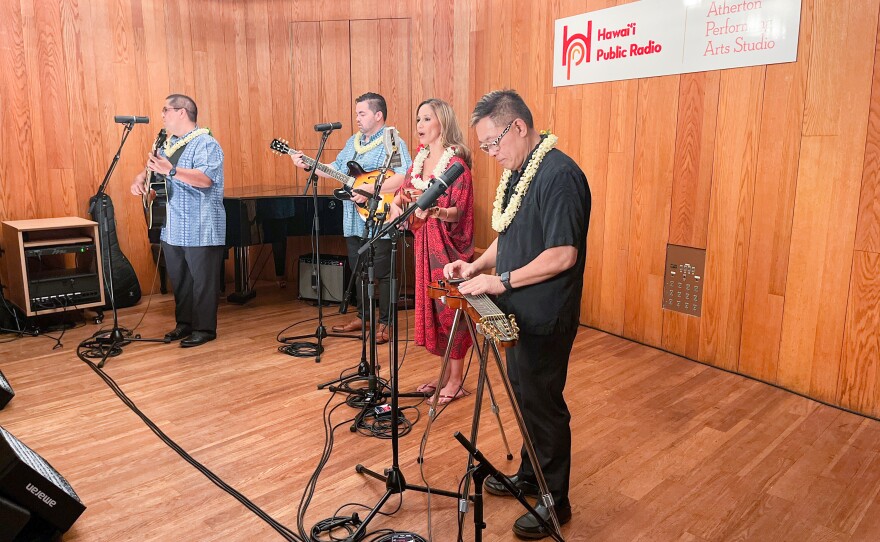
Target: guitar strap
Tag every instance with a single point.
(175, 158)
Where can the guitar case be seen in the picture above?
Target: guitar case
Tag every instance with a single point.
(126, 288)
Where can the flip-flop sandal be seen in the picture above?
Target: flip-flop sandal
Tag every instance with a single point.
(446, 399)
(427, 388)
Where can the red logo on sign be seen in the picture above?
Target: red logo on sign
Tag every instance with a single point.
(576, 49)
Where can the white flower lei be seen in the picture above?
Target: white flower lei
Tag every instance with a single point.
(501, 220)
(419, 163)
(171, 149)
(364, 149)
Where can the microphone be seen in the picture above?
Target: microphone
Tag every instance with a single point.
(122, 119)
(439, 186)
(328, 126)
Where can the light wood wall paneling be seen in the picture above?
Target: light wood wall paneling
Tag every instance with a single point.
(859, 384)
(305, 54)
(592, 155)
(826, 200)
(778, 157)
(337, 91)
(396, 81)
(618, 205)
(280, 87)
(692, 183)
(17, 143)
(694, 152)
(730, 215)
(650, 207)
(868, 230)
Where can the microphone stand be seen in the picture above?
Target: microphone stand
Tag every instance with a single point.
(394, 480)
(367, 368)
(321, 331)
(110, 342)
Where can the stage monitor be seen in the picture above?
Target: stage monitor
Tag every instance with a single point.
(30, 482)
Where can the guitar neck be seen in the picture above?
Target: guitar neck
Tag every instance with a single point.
(484, 306)
(339, 176)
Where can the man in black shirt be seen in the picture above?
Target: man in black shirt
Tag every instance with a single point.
(541, 214)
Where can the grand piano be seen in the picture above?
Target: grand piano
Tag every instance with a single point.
(257, 215)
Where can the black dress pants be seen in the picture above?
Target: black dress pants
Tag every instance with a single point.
(197, 279)
(537, 367)
(381, 270)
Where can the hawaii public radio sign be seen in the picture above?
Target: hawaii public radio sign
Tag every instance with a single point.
(661, 37)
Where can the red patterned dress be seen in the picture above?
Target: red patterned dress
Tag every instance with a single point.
(438, 243)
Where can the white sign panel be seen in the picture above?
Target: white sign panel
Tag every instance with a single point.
(662, 37)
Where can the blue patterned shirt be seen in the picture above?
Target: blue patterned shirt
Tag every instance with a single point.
(196, 217)
(352, 221)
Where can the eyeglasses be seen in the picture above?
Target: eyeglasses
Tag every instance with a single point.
(167, 109)
(492, 145)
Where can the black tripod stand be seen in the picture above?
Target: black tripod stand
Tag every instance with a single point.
(109, 343)
(395, 483)
(320, 332)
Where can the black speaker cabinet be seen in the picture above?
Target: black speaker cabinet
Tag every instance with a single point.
(30, 482)
(13, 518)
(334, 277)
(6, 393)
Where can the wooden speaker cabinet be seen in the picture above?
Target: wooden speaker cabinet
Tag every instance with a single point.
(53, 264)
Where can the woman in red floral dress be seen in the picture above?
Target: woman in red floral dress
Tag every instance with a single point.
(444, 233)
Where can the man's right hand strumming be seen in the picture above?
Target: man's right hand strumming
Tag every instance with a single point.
(138, 187)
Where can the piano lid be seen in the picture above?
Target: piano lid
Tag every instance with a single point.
(257, 192)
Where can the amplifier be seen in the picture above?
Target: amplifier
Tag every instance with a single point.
(36, 252)
(63, 288)
(334, 277)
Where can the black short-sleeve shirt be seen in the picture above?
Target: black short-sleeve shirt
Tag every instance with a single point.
(554, 212)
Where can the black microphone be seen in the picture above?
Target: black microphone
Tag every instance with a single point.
(328, 126)
(439, 186)
(122, 119)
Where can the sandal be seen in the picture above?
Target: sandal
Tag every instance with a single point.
(429, 388)
(446, 399)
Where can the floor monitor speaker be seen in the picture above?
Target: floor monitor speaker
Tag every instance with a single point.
(6, 393)
(30, 482)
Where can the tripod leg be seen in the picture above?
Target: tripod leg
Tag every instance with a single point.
(494, 407)
(546, 498)
(432, 404)
(475, 423)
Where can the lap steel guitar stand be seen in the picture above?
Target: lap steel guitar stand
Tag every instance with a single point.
(497, 328)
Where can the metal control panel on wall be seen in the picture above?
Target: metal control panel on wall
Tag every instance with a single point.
(684, 281)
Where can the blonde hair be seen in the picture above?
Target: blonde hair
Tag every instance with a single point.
(450, 133)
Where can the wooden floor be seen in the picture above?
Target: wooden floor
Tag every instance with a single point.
(664, 449)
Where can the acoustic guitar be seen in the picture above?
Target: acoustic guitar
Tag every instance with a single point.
(490, 320)
(155, 198)
(350, 183)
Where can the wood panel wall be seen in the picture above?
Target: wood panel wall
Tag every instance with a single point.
(772, 169)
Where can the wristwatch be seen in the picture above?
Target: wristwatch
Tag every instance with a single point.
(172, 172)
(505, 280)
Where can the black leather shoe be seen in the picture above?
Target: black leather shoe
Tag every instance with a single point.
(180, 332)
(529, 528)
(528, 487)
(197, 338)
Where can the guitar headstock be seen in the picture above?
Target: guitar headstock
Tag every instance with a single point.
(160, 140)
(503, 330)
(280, 146)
